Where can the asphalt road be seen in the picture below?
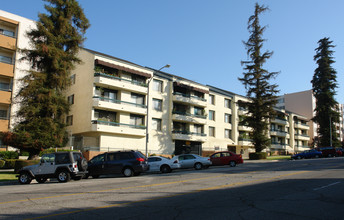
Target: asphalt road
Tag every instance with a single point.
(305, 189)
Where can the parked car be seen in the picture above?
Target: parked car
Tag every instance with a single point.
(327, 151)
(162, 164)
(339, 152)
(307, 154)
(226, 158)
(60, 165)
(128, 163)
(192, 161)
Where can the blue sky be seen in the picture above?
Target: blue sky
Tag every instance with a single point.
(202, 39)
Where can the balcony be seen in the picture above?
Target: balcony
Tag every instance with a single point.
(187, 117)
(278, 133)
(244, 128)
(102, 79)
(245, 141)
(280, 121)
(302, 137)
(118, 128)
(3, 124)
(301, 126)
(7, 42)
(186, 98)
(279, 146)
(5, 97)
(114, 104)
(302, 148)
(189, 136)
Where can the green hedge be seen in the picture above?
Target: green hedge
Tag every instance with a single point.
(9, 163)
(9, 154)
(257, 156)
(52, 150)
(2, 163)
(23, 163)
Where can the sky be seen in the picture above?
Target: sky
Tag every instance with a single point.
(202, 39)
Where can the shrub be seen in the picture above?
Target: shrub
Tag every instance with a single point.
(257, 156)
(10, 163)
(2, 163)
(9, 154)
(53, 150)
(24, 153)
(23, 163)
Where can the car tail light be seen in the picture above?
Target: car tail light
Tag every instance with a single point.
(75, 166)
(240, 155)
(140, 159)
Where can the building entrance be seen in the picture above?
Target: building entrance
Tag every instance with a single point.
(188, 147)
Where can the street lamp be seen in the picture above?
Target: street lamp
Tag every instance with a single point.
(147, 136)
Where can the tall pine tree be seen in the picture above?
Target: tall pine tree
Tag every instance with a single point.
(43, 107)
(324, 83)
(256, 80)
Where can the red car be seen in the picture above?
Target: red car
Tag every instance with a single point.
(226, 158)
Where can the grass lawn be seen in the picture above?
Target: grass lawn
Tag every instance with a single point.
(278, 158)
(6, 176)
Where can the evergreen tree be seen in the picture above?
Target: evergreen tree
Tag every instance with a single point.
(43, 106)
(256, 80)
(324, 83)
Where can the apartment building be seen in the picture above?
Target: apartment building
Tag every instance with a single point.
(12, 37)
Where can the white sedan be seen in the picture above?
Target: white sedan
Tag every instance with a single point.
(192, 161)
(162, 164)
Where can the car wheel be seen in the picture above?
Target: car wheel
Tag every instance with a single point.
(24, 178)
(128, 172)
(82, 164)
(41, 180)
(232, 163)
(165, 169)
(198, 166)
(63, 176)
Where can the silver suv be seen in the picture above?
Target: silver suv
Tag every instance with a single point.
(60, 165)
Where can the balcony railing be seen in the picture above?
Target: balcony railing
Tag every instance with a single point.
(189, 114)
(277, 143)
(189, 96)
(303, 135)
(188, 133)
(110, 123)
(244, 139)
(4, 59)
(121, 79)
(303, 124)
(118, 101)
(284, 132)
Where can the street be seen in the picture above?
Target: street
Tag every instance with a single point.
(302, 189)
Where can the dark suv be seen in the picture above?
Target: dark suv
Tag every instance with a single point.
(128, 163)
(60, 165)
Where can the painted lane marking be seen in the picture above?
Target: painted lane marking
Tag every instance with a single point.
(169, 196)
(323, 187)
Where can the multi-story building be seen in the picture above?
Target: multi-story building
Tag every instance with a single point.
(12, 37)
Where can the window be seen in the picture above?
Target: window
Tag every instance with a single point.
(212, 131)
(69, 120)
(138, 79)
(211, 115)
(157, 85)
(136, 120)
(227, 103)
(71, 99)
(156, 123)
(104, 116)
(198, 111)
(157, 104)
(198, 129)
(72, 79)
(137, 99)
(228, 118)
(3, 114)
(212, 99)
(7, 33)
(5, 86)
(5, 59)
(228, 133)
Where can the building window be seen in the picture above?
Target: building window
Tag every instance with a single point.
(3, 114)
(5, 59)
(227, 103)
(137, 99)
(212, 131)
(7, 33)
(156, 123)
(228, 134)
(198, 129)
(69, 120)
(72, 79)
(157, 104)
(5, 86)
(198, 111)
(228, 118)
(211, 115)
(157, 85)
(212, 99)
(71, 99)
(105, 116)
(137, 120)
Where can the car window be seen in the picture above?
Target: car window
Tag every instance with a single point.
(216, 155)
(77, 156)
(110, 157)
(181, 158)
(189, 157)
(125, 156)
(62, 158)
(158, 159)
(48, 158)
(151, 159)
(226, 154)
(99, 158)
